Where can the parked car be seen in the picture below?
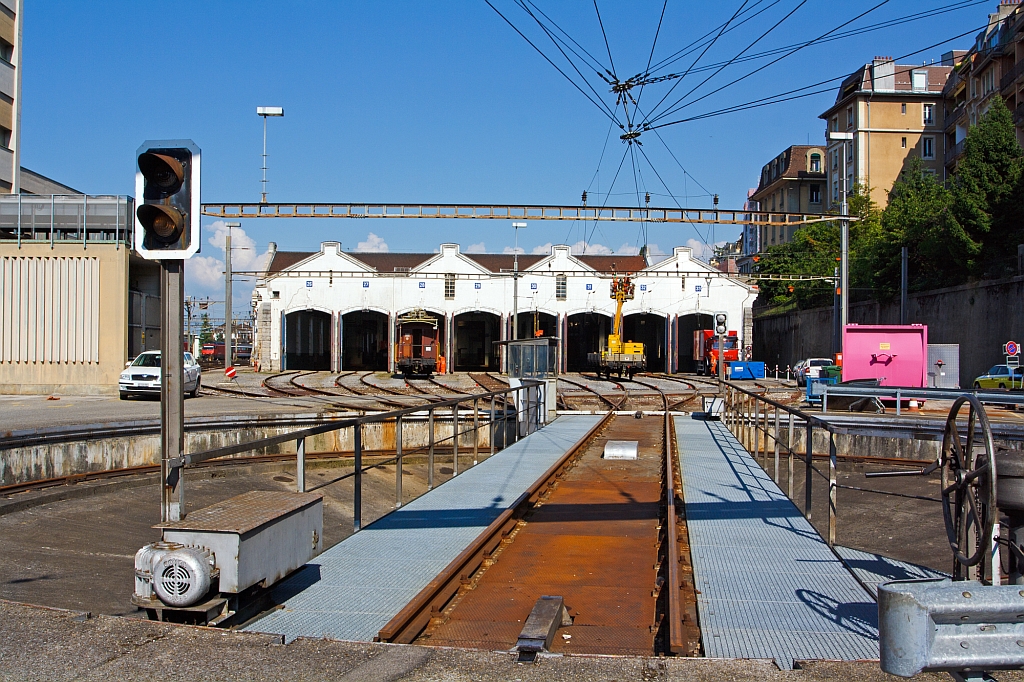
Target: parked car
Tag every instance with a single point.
(142, 375)
(1001, 376)
(811, 367)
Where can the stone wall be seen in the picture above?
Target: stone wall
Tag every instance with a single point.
(980, 316)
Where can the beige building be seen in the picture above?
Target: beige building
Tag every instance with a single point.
(794, 181)
(65, 270)
(895, 112)
(993, 67)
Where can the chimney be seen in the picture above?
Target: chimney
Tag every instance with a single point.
(883, 74)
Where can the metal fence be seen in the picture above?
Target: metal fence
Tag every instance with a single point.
(513, 413)
(765, 426)
(63, 218)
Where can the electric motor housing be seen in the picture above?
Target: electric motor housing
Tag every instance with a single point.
(182, 576)
(144, 560)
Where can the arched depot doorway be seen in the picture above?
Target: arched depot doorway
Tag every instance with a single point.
(364, 341)
(588, 332)
(475, 334)
(649, 330)
(307, 340)
(687, 325)
(533, 323)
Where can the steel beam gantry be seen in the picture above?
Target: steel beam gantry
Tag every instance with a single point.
(512, 211)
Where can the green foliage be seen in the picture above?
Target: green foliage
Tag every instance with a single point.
(969, 230)
(205, 330)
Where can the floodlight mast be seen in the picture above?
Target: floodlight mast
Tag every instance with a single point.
(265, 112)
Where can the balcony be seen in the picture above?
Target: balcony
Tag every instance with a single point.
(954, 153)
(1018, 115)
(1011, 76)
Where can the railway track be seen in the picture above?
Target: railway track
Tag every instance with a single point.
(624, 573)
(602, 396)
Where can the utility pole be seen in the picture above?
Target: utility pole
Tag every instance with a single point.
(844, 247)
(265, 112)
(904, 257)
(227, 295)
(515, 282)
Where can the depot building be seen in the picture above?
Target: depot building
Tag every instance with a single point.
(339, 311)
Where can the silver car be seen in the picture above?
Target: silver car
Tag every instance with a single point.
(810, 368)
(142, 375)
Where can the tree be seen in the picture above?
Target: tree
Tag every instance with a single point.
(205, 330)
(919, 216)
(986, 198)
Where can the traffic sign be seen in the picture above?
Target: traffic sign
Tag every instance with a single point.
(1011, 348)
(230, 372)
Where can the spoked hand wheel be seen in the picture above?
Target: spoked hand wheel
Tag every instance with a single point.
(969, 489)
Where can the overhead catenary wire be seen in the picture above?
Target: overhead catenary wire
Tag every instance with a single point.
(790, 95)
(673, 108)
(522, 5)
(649, 77)
(694, 63)
(741, 52)
(654, 44)
(599, 105)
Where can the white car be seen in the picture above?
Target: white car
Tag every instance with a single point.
(142, 375)
(811, 367)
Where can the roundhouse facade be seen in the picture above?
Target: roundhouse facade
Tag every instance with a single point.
(338, 311)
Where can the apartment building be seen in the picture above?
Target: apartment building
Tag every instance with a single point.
(993, 67)
(794, 181)
(895, 112)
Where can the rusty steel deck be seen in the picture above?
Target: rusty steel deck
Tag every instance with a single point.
(594, 541)
(354, 588)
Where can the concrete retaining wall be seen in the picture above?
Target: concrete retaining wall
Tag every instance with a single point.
(57, 459)
(980, 316)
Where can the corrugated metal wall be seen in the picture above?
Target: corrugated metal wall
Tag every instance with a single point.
(49, 309)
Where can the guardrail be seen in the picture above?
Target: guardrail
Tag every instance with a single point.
(755, 418)
(521, 405)
(900, 394)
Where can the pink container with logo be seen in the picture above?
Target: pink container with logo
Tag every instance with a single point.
(896, 355)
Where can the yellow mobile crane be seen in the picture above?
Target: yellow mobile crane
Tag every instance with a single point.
(621, 357)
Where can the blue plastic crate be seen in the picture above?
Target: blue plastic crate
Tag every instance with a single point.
(746, 370)
(816, 387)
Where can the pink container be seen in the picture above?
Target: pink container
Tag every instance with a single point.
(896, 355)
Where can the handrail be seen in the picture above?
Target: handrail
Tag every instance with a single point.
(528, 403)
(738, 419)
(898, 392)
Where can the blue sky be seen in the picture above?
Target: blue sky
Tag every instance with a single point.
(432, 102)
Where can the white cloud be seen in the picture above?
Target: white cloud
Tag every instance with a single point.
(655, 250)
(583, 248)
(204, 272)
(373, 244)
(702, 251)
(509, 249)
(628, 250)
(476, 248)
(204, 275)
(543, 249)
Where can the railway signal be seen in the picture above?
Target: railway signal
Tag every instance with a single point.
(167, 230)
(721, 323)
(167, 187)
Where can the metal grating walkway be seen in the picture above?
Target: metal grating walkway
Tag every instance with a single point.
(875, 569)
(768, 585)
(353, 589)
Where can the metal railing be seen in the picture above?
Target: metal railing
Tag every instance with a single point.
(754, 419)
(70, 218)
(901, 394)
(514, 413)
(954, 152)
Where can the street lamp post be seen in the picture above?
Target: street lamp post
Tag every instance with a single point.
(227, 295)
(515, 282)
(265, 112)
(844, 247)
